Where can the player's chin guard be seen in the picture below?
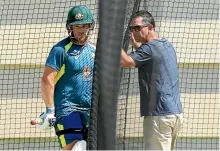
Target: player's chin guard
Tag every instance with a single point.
(79, 15)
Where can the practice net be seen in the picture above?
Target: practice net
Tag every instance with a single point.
(28, 30)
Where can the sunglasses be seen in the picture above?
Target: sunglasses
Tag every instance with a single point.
(137, 28)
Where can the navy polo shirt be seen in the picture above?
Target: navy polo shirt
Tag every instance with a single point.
(158, 78)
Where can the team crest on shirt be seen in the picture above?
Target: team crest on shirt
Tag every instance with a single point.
(86, 71)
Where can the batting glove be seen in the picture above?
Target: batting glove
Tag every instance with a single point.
(47, 119)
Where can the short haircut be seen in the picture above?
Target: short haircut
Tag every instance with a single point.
(147, 17)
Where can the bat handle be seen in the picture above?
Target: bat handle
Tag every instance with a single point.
(36, 121)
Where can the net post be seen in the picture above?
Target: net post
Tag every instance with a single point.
(112, 17)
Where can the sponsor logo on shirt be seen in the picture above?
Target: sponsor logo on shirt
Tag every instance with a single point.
(75, 53)
(93, 55)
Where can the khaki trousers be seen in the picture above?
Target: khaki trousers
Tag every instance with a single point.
(160, 132)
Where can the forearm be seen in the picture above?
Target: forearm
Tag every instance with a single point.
(123, 58)
(123, 54)
(126, 60)
(47, 91)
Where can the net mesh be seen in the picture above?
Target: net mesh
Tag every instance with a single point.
(192, 27)
(28, 30)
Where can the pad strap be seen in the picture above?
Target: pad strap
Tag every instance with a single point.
(84, 132)
(70, 130)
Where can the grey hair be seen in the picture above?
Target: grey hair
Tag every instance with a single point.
(147, 17)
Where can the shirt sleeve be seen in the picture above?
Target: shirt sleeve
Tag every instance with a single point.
(142, 55)
(56, 58)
